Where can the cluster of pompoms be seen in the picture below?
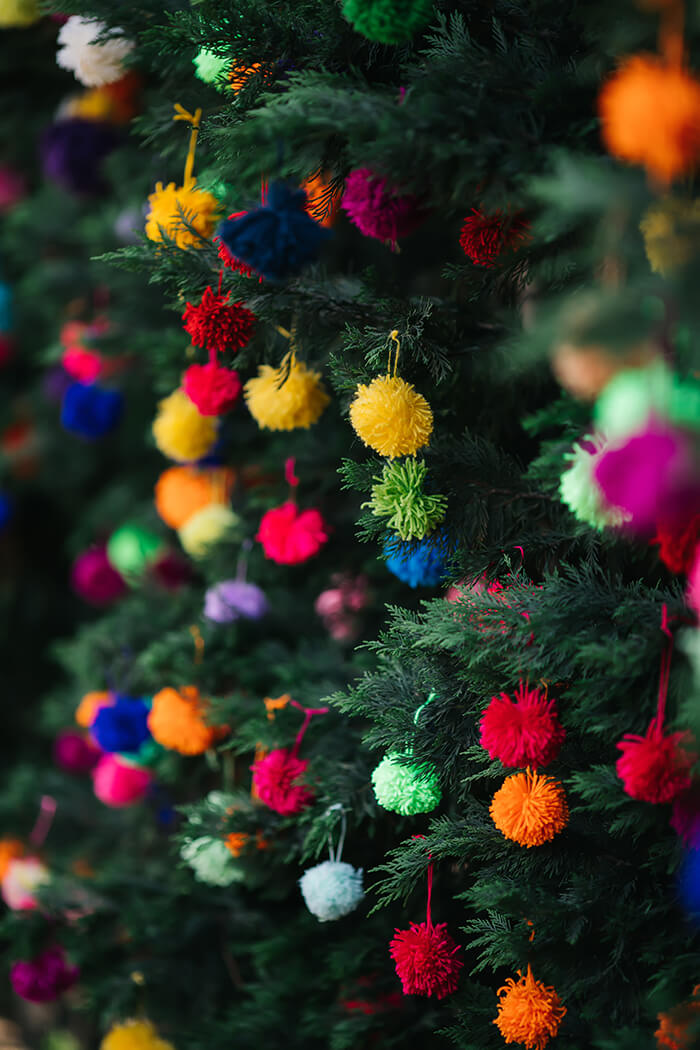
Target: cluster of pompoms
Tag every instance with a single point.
(195, 501)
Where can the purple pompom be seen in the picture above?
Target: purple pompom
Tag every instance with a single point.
(72, 152)
(378, 208)
(43, 978)
(231, 599)
(74, 752)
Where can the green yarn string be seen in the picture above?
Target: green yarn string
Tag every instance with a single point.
(388, 21)
(399, 496)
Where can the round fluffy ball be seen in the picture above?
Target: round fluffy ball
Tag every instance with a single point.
(122, 726)
(427, 960)
(287, 397)
(93, 62)
(206, 528)
(95, 579)
(90, 411)
(186, 215)
(20, 883)
(182, 491)
(278, 782)
(217, 324)
(289, 536)
(118, 783)
(655, 767)
(134, 1035)
(181, 432)
(131, 549)
(484, 237)
(391, 417)
(530, 809)
(211, 68)
(211, 389)
(399, 495)
(378, 208)
(332, 889)
(231, 599)
(579, 490)
(74, 753)
(525, 731)
(211, 861)
(424, 565)
(670, 228)
(405, 789)
(528, 1012)
(388, 21)
(177, 721)
(43, 978)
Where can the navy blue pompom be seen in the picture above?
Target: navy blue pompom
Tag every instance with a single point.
(277, 239)
(90, 411)
(5, 509)
(121, 727)
(423, 564)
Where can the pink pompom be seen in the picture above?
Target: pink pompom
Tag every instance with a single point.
(23, 877)
(83, 365)
(43, 978)
(94, 579)
(74, 752)
(693, 590)
(289, 536)
(654, 767)
(213, 390)
(685, 817)
(522, 732)
(378, 209)
(118, 783)
(427, 960)
(12, 188)
(275, 779)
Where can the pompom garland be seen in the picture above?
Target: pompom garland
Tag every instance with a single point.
(211, 389)
(182, 491)
(655, 767)
(286, 398)
(94, 62)
(181, 432)
(405, 789)
(427, 960)
(134, 1035)
(217, 324)
(43, 978)
(529, 1012)
(289, 536)
(524, 731)
(184, 214)
(399, 496)
(530, 809)
(279, 784)
(378, 208)
(388, 21)
(391, 417)
(332, 889)
(483, 238)
(177, 721)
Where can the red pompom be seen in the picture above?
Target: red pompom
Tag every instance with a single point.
(274, 779)
(217, 324)
(654, 767)
(213, 390)
(522, 732)
(230, 261)
(427, 960)
(678, 543)
(484, 237)
(290, 537)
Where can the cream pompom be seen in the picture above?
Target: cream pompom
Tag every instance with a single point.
(93, 63)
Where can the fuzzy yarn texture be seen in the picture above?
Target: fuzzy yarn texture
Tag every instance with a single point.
(286, 398)
(650, 115)
(322, 202)
(94, 579)
(422, 565)
(484, 237)
(277, 239)
(655, 767)
(530, 808)
(177, 721)
(94, 62)
(43, 978)
(678, 543)
(230, 262)
(579, 490)
(16, 14)
(206, 528)
(74, 753)
(211, 68)
(332, 889)
(89, 411)
(10, 849)
(523, 731)
(672, 1033)
(427, 960)
(134, 1035)
(529, 1012)
(230, 600)
(391, 417)
(278, 782)
(388, 21)
(132, 548)
(405, 789)
(82, 364)
(289, 536)
(211, 861)
(23, 878)
(118, 783)
(399, 496)
(87, 709)
(217, 324)
(632, 397)
(186, 215)
(122, 726)
(671, 229)
(211, 389)
(685, 816)
(378, 208)
(182, 491)
(181, 432)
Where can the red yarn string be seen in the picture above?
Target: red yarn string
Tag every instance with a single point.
(428, 919)
(44, 820)
(665, 670)
(309, 713)
(289, 475)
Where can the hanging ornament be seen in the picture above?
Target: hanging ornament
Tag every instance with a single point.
(95, 579)
(528, 1012)
(424, 564)
(177, 721)
(678, 541)
(89, 411)
(579, 489)
(211, 861)
(671, 230)
(208, 527)
(399, 496)
(229, 261)
(119, 783)
(388, 21)
(217, 324)
(378, 208)
(524, 731)
(134, 1035)
(73, 152)
(213, 390)
(333, 888)
(181, 432)
(74, 753)
(131, 549)
(278, 776)
(484, 238)
(212, 68)
(405, 788)
(15, 14)
(286, 398)
(289, 536)
(232, 600)
(121, 727)
(85, 50)
(182, 491)
(43, 978)
(530, 808)
(21, 882)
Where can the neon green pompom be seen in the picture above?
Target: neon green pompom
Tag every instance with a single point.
(580, 492)
(399, 496)
(211, 861)
(388, 21)
(405, 789)
(131, 548)
(631, 397)
(212, 68)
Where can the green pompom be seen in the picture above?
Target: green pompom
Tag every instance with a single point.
(631, 397)
(131, 548)
(580, 492)
(405, 789)
(211, 861)
(212, 68)
(399, 496)
(388, 21)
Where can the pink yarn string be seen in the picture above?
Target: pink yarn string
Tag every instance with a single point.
(289, 475)
(309, 713)
(665, 673)
(44, 820)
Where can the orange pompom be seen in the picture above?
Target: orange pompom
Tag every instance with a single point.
(321, 203)
(528, 1012)
(87, 708)
(176, 721)
(236, 842)
(650, 114)
(181, 492)
(10, 849)
(530, 808)
(672, 1033)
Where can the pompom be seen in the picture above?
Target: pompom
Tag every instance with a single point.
(230, 261)
(530, 808)
(182, 491)
(399, 496)
(585, 370)
(15, 14)
(82, 364)
(484, 237)
(678, 542)
(277, 239)
(655, 767)
(672, 1033)
(332, 889)
(20, 883)
(671, 229)
(122, 726)
(10, 849)
(211, 861)
(206, 528)
(181, 432)
(116, 102)
(427, 960)
(118, 783)
(218, 325)
(528, 1012)
(94, 579)
(134, 1035)
(278, 783)
(90, 411)
(388, 21)
(580, 491)
(93, 62)
(185, 214)
(287, 397)
(422, 565)
(685, 816)
(131, 549)
(211, 68)
(171, 571)
(86, 711)
(378, 208)
(211, 389)
(391, 417)
(633, 396)
(177, 721)
(322, 202)
(43, 978)
(525, 731)
(406, 789)
(289, 536)
(73, 752)
(650, 115)
(230, 600)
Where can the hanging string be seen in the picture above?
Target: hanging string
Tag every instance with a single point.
(671, 28)
(193, 119)
(665, 673)
(432, 696)
(289, 474)
(309, 713)
(336, 854)
(394, 337)
(242, 563)
(198, 643)
(44, 820)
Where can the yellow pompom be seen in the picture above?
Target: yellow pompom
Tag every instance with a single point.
(391, 416)
(14, 13)
(671, 230)
(180, 211)
(134, 1035)
(180, 432)
(206, 528)
(287, 397)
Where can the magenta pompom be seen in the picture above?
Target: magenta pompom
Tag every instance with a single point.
(289, 536)
(378, 208)
(74, 752)
(118, 783)
(212, 389)
(693, 590)
(42, 979)
(685, 817)
(277, 779)
(94, 579)
(427, 960)
(525, 731)
(654, 767)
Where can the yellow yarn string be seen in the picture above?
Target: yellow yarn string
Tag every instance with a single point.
(394, 336)
(198, 644)
(194, 119)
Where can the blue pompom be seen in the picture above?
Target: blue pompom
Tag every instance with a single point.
(5, 307)
(5, 509)
(90, 411)
(277, 239)
(689, 884)
(123, 727)
(422, 565)
(332, 889)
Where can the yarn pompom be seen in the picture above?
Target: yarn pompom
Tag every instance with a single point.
(23, 878)
(10, 849)
(211, 389)
(579, 489)
(277, 239)
(322, 200)
(43, 978)
(206, 528)
(134, 1035)
(391, 417)
(86, 711)
(118, 783)
(673, 1031)
(289, 536)
(94, 61)
(185, 214)
(15, 14)
(524, 731)
(90, 411)
(378, 208)
(211, 68)
(671, 229)
(678, 542)
(388, 21)
(230, 600)
(399, 496)
(95, 579)
(631, 397)
(528, 1012)
(121, 726)
(530, 808)
(422, 565)
(181, 432)
(655, 767)
(650, 115)
(405, 789)
(182, 491)
(287, 397)
(74, 753)
(211, 861)
(278, 782)
(332, 889)
(217, 324)
(131, 549)
(484, 237)
(177, 721)
(230, 261)
(82, 364)
(427, 960)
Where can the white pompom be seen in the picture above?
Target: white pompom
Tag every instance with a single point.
(211, 861)
(94, 64)
(332, 889)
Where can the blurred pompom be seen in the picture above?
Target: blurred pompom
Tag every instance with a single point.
(331, 889)
(424, 564)
(132, 548)
(181, 432)
(16, 14)
(231, 599)
(213, 390)
(94, 578)
(134, 1035)
(72, 152)
(20, 883)
(211, 861)
(388, 21)
(122, 726)
(378, 208)
(118, 783)
(43, 978)
(12, 185)
(278, 782)
(90, 411)
(206, 528)
(94, 61)
(181, 492)
(74, 753)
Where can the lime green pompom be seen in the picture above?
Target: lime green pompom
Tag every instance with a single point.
(212, 68)
(405, 789)
(580, 492)
(211, 861)
(131, 548)
(388, 21)
(636, 394)
(399, 496)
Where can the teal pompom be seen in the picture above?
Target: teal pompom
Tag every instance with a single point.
(388, 21)
(332, 889)
(580, 491)
(399, 496)
(211, 861)
(212, 68)
(405, 789)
